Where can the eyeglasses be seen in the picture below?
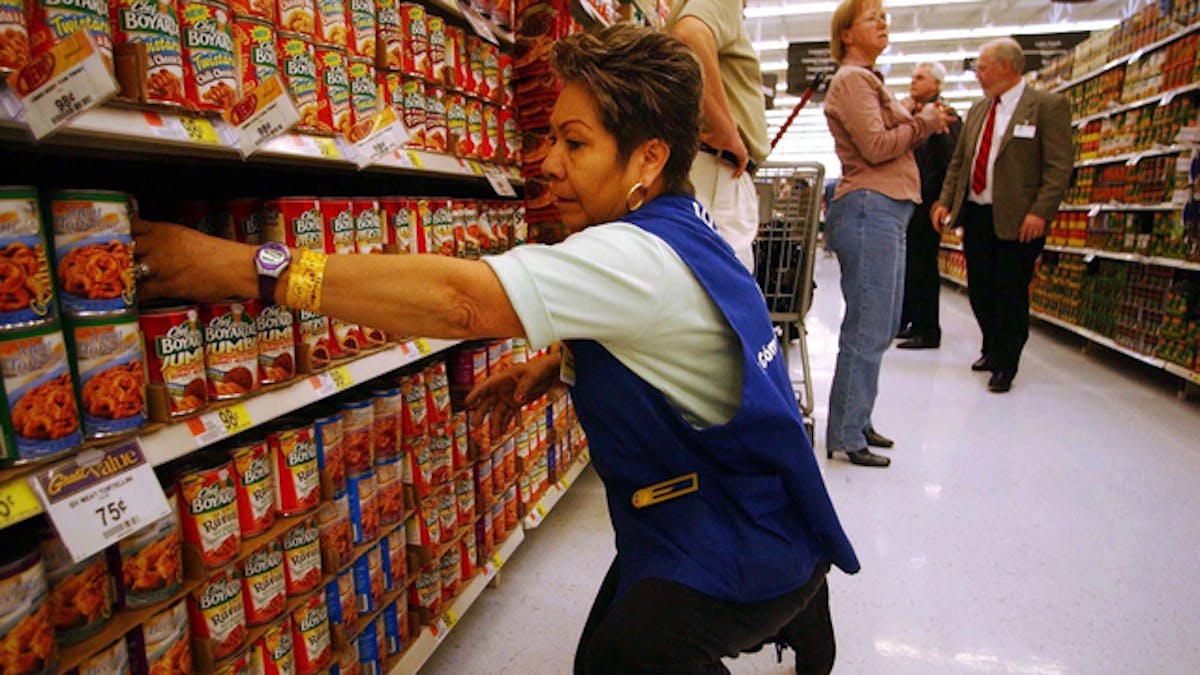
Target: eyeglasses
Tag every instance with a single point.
(877, 18)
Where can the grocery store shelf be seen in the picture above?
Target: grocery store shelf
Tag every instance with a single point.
(432, 636)
(1128, 257)
(1134, 157)
(1162, 97)
(950, 247)
(1099, 339)
(1179, 371)
(1134, 56)
(1163, 206)
(452, 8)
(953, 279)
(555, 492)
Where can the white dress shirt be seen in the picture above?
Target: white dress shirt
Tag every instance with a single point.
(1004, 112)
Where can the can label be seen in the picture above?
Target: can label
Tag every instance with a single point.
(491, 138)
(388, 408)
(415, 410)
(152, 560)
(254, 43)
(330, 454)
(155, 25)
(358, 421)
(297, 476)
(364, 91)
(230, 348)
(458, 423)
(395, 560)
(313, 338)
(427, 591)
(370, 649)
(26, 289)
(113, 659)
(435, 26)
(263, 587)
(456, 126)
(294, 222)
(210, 514)
(337, 216)
(362, 28)
(276, 650)
(218, 615)
(94, 251)
(14, 36)
(474, 110)
(68, 581)
(297, 16)
(451, 570)
(416, 40)
(412, 94)
(364, 507)
(448, 514)
(276, 345)
(259, 9)
(112, 380)
(388, 478)
(163, 643)
(331, 22)
(337, 536)
(390, 34)
(368, 226)
(437, 387)
(435, 119)
(52, 20)
(211, 78)
(240, 220)
(419, 472)
(238, 665)
(464, 492)
(310, 636)
(255, 488)
(369, 583)
(331, 64)
(302, 557)
(40, 395)
(175, 358)
(298, 62)
(477, 84)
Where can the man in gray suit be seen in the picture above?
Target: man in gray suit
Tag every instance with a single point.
(1010, 169)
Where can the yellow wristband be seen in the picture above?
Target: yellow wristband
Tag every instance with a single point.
(305, 280)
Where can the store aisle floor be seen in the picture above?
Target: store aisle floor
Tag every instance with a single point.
(1046, 531)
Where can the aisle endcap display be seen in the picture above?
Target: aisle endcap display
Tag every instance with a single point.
(424, 645)
(555, 492)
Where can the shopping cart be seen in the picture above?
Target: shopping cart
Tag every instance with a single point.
(789, 209)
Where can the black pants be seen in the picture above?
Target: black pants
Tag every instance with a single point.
(998, 276)
(921, 281)
(665, 627)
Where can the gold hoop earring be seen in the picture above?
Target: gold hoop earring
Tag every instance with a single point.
(641, 199)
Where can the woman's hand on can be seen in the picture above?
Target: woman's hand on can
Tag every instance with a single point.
(172, 261)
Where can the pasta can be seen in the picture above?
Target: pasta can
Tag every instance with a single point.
(364, 507)
(106, 354)
(464, 494)
(264, 590)
(413, 104)
(387, 405)
(14, 36)
(258, 9)
(339, 598)
(369, 583)
(425, 529)
(477, 82)
(27, 296)
(493, 140)
(337, 536)
(358, 441)
(474, 112)
(161, 644)
(217, 615)
(273, 653)
(240, 220)
(302, 557)
(230, 348)
(426, 592)
(196, 214)
(491, 88)
(441, 452)
(395, 618)
(112, 660)
(331, 22)
(40, 416)
(469, 553)
(415, 412)
(82, 598)
(364, 91)
(276, 345)
(437, 392)
(255, 487)
(332, 71)
(368, 225)
(390, 486)
(458, 138)
(210, 70)
(395, 559)
(347, 663)
(175, 358)
(296, 16)
(458, 426)
(310, 636)
(337, 218)
(254, 42)
(150, 560)
(511, 132)
(236, 665)
(435, 119)
(49, 21)
(416, 40)
(505, 79)
(447, 510)
(389, 35)
(397, 225)
(451, 571)
(209, 510)
(152, 25)
(294, 221)
(438, 227)
(297, 473)
(93, 250)
(298, 63)
(418, 472)
(361, 25)
(464, 79)
(435, 26)
(26, 629)
(330, 454)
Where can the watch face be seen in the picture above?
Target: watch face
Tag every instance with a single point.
(272, 256)
(271, 259)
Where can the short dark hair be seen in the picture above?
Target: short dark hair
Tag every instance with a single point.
(647, 84)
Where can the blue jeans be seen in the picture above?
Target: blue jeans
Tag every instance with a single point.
(867, 232)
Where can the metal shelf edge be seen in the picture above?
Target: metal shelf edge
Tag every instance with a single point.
(555, 492)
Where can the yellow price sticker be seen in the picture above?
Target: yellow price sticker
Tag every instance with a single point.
(541, 510)
(328, 148)
(497, 560)
(341, 378)
(451, 619)
(475, 167)
(17, 502)
(564, 484)
(415, 159)
(235, 419)
(423, 347)
(200, 130)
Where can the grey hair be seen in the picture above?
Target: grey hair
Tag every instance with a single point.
(1006, 50)
(937, 70)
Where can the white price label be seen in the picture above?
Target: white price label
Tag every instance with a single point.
(332, 381)
(500, 183)
(213, 426)
(482, 29)
(1094, 211)
(383, 135)
(62, 83)
(100, 496)
(264, 113)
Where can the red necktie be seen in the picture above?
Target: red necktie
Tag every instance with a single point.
(979, 175)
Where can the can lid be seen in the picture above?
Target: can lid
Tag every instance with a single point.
(93, 195)
(18, 191)
(169, 306)
(28, 329)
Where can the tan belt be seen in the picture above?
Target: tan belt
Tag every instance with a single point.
(666, 490)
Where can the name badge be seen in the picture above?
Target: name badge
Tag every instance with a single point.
(1024, 131)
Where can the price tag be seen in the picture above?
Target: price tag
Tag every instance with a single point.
(1166, 99)
(380, 136)
(328, 147)
(587, 456)
(476, 167)
(423, 347)
(482, 29)
(99, 496)
(264, 113)
(212, 427)
(332, 381)
(62, 83)
(451, 619)
(500, 183)
(541, 510)
(17, 502)
(497, 561)
(415, 158)
(489, 570)
(1094, 211)
(1134, 57)
(564, 483)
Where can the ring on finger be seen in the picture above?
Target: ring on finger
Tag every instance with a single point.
(141, 271)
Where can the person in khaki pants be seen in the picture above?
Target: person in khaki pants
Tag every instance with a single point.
(733, 136)
(1010, 169)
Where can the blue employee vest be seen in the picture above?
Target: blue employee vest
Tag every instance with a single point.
(737, 511)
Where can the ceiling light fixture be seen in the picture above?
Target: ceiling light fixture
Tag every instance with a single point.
(952, 34)
(762, 12)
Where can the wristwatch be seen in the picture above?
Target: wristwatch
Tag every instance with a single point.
(271, 259)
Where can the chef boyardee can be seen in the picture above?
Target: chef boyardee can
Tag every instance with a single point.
(26, 287)
(93, 251)
(25, 626)
(106, 353)
(40, 418)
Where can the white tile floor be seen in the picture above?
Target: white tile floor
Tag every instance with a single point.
(1054, 529)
